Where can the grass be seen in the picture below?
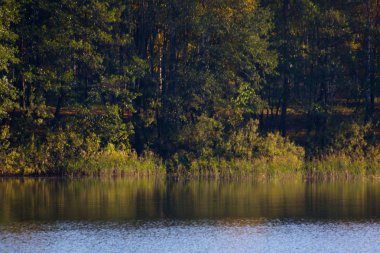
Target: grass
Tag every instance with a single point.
(118, 163)
(329, 167)
(111, 162)
(126, 163)
(242, 167)
(342, 166)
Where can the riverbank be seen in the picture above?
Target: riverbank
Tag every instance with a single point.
(351, 152)
(129, 164)
(244, 152)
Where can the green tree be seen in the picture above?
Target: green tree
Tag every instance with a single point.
(8, 93)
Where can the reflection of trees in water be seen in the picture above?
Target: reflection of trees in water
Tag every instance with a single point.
(132, 198)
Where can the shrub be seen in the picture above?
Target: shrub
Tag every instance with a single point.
(244, 142)
(204, 138)
(118, 162)
(351, 139)
(208, 152)
(107, 125)
(281, 152)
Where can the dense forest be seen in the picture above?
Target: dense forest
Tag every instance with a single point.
(189, 85)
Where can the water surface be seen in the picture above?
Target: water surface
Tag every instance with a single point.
(159, 215)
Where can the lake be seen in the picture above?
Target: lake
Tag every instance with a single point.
(162, 215)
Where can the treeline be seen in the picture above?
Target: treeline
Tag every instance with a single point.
(187, 85)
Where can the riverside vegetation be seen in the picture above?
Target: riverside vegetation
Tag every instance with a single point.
(212, 87)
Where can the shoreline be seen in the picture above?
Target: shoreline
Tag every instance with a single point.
(287, 176)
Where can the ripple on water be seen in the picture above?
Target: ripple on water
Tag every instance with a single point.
(192, 236)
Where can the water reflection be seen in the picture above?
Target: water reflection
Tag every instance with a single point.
(156, 198)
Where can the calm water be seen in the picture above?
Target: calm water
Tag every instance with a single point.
(158, 215)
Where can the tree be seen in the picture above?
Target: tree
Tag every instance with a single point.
(8, 93)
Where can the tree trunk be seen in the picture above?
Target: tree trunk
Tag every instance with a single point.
(285, 94)
(369, 92)
(58, 107)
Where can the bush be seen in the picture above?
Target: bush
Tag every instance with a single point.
(107, 125)
(208, 152)
(351, 152)
(77, 138)
(281, 152)
(352, 139)
(118, 162)
(202, 139)
(245, 142)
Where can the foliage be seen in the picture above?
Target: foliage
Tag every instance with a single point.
(352, 139)
(281, 152)
(105, 123)
(204, 138)
(8, 49)
(210, 149)
(200, 86)
(118, 162)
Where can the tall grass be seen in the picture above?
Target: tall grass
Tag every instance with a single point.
(118, 163)
(342, 165)
(128, 163)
